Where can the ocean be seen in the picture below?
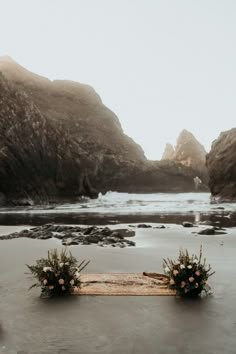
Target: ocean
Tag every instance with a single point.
(121, 207)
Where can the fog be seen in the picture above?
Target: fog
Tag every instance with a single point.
(161, 66)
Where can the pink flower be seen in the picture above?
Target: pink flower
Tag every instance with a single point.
(197, 273)
(51, 287)
(72, 282)
(61, 281)
(63, 288)
(185, 290)
(175, 272)
(172, 281)
(183, 284)
(191, 279)
(45, 282)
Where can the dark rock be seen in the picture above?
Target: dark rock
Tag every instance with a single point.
(56, 139)
(89, 230)
(187, 224)
(45, 236)
(106, 231)
(93, 238)
(221, 164)
(210, 231)
(110, 239)
(69, 242)
(144, 226)
(130, 243)
(121, 233)
(70, 235)
(160, 227)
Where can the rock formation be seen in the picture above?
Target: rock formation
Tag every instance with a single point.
(189, 152)
(169, 152)
(59, 142)
(221, 164)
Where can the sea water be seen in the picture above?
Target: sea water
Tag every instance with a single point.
(126, 203)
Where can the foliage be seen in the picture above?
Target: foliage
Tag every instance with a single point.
(188, 275)
(58, 274)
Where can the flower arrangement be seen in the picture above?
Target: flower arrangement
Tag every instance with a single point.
(188, 275)
(58, 274)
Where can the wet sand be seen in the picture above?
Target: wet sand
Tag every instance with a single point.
(99, 324)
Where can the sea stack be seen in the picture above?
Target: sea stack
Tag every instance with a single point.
(189, 152)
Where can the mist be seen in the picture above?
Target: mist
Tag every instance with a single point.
(160, 66)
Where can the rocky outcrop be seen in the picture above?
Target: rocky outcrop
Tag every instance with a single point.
(169, 152)
(75, 235)
(189, 152)
(221, 164)
(58, 142)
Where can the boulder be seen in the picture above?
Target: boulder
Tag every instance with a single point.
(144, 226)
(187, 224)
(209, 231)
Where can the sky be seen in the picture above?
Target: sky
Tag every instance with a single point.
(160, 65)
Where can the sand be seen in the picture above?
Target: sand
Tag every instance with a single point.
(119, 325)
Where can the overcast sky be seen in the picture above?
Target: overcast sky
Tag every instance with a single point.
(160, 65)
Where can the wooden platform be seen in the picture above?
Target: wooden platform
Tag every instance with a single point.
(123, 284)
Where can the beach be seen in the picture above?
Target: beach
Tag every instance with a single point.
(115, 324)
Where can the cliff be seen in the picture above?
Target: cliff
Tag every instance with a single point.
(221, 163)
(59, 141)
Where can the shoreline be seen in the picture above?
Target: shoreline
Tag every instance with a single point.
(216, 218)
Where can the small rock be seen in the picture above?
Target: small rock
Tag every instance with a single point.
(121, 233)
(89, 230)
(187, 224)
(69, 242)
(144, 226)
(106, 231)
(93, 238)
(210, 231)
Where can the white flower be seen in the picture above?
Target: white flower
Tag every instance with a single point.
(167, 269)
(189, 266)
(67, 263)
(51, 287)
(72, 282)
(45, 269)
(61, 281)
(61, 265)
(195, 261)
(177, 262)
(77, 274)
(182, 266)
(196, 285)
(45, 282)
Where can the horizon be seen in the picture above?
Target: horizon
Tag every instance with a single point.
(168, 67)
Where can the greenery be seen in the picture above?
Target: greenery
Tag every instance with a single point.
(188, 275)
(58, 274)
